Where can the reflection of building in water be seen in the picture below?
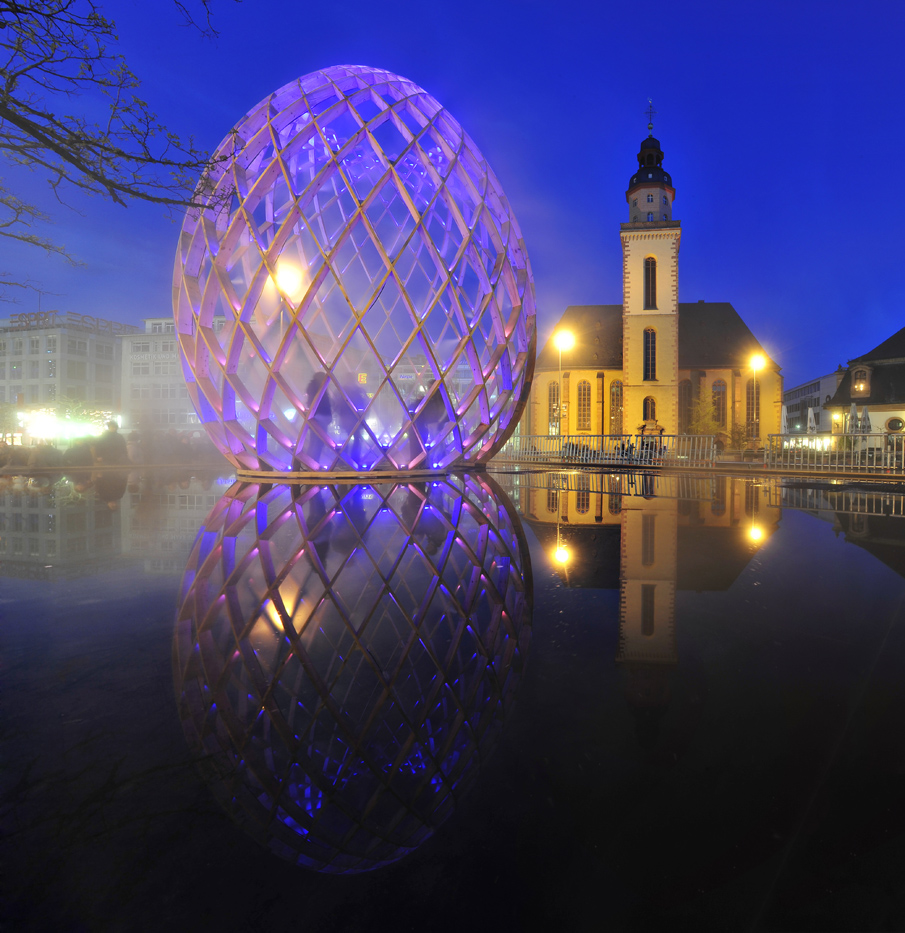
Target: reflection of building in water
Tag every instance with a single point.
(54, 532)
(651, 535)
(346, 656)
(160, 517)
(883, 535)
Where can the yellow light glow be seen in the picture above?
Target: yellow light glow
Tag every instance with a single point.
(561, 554)
(755, 533)
(758, 361)
(563, 340)
(289, 279)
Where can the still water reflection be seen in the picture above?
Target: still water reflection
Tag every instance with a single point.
(705, 734)
(345, 657)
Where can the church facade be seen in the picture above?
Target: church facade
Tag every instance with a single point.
(654, 365)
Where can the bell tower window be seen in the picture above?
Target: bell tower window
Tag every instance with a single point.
(650, 280)
(650, 354)
(650, 199)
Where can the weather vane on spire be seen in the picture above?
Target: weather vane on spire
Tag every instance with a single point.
(650, 116)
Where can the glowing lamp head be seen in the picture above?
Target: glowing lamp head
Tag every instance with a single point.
(289, 279)
(563, 340)
(758, 361)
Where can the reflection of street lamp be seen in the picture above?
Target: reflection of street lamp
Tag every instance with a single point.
(562, 340)
(757, 362)
(755, 533)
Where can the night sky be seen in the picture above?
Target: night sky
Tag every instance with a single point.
(781, 125)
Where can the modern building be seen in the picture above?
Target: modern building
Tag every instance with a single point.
(52, 356)
(653, 364)
(875, 381)
(811, 397)
(152, 388)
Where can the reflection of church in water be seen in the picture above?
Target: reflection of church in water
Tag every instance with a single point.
(649, 536)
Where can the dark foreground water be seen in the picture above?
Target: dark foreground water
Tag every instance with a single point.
(560, 702)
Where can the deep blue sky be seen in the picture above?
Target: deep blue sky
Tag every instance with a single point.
(781, 123)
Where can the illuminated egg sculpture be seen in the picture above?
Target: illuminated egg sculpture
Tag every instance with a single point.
(357, 295)
(345, 657)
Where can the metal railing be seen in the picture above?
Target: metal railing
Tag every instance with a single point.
(836, 453)
(622, 482)
(623, 450)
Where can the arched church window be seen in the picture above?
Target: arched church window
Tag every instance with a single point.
(650, 199)
(650, 216)
(650, 409)
(719, 402)
(553, 408)
(583, 494)
(584, 405)
(650, 284)
(650, 353)
(616, 407)
(684, 406)
(665, 217)
(665, 199)
(634, 202)
(552, 500)
(752, 408)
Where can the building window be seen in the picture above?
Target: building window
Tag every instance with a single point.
(50, 393)
(141, 346)
(718, 500)
(77, 347)
(719, 402)
(752, 408)
(647, 610)
(665, 200)
(584, 405)
(553, 408)
(665, 217)
(615, 407)
(860, 382)
(650, 354)
(50, 344)
(2, 370)
(51, 369)
(634, 202)
(583, 495)
(552, 500)
(650, 409)
(34, 344)
(2, 348)
(141, 369)
(684, 406)
(647, 539)
(650, 283)
(650, 199)
(650, 216)
(76, 369)
(104, 351)
(17, 346)
(34, 369)
(752, 499)
(895, 425)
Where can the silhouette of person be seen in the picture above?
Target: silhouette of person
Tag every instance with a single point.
(110, 447)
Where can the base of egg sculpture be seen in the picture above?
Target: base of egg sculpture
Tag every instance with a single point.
(357, 296)
(345, 657)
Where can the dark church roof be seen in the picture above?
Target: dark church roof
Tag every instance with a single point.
(892, 348)
(711, 336)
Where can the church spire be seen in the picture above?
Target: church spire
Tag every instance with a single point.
(650, 192)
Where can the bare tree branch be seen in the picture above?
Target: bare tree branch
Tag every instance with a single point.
(53, 52)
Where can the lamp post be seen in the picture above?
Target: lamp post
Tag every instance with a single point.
(757, 362)
(562, 340)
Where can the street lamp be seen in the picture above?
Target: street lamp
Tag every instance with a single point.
(562, 340)
(757, 362)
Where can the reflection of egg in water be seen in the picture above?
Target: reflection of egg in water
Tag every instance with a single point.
(356, 236)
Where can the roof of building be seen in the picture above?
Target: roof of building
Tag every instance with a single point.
(651, 142)
(712, 335)
(892, 348)
(887, 387)
(647, 175)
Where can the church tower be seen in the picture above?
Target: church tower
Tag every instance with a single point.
(650, 297)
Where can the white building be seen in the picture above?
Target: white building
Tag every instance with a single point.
(814, 394)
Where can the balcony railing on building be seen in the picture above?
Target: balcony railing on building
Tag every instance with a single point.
(628, 450)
